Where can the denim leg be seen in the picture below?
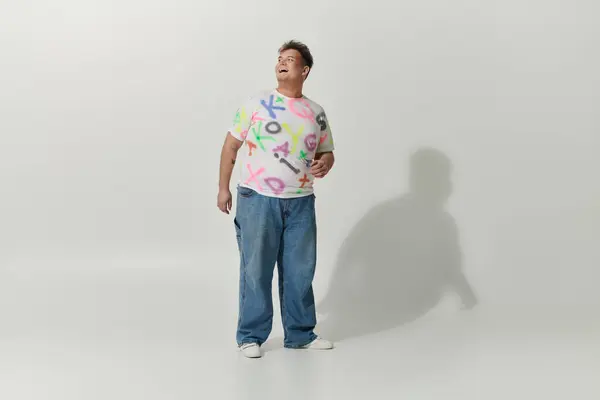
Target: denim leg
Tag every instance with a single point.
(258, 231)
(296, 268)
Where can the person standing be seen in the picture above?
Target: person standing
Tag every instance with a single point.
(286, 144)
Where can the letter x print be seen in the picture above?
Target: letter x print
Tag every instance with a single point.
(254, 176)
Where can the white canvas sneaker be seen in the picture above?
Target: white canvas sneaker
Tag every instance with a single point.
(250, 350)
(318, 344)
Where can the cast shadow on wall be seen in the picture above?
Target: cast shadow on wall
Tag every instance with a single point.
(399, 259)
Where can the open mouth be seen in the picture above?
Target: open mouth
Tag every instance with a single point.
(283, 70)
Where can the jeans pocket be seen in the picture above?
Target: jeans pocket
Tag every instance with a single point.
(245, 192)
(238, 233)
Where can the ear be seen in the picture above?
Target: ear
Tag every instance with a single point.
(305, 71)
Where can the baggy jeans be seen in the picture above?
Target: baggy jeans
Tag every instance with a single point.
(278, 231)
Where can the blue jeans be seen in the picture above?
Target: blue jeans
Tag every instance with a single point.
(278, 231)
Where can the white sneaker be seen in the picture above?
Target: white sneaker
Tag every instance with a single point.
(318, 344)
(251, 350)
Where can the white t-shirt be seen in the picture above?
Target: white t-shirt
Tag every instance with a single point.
(281, 137)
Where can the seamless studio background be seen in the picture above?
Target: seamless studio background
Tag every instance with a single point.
(466, 175)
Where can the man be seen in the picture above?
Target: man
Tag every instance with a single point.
(287, 143)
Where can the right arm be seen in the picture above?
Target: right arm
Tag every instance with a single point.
(233, 142)
(229, 151)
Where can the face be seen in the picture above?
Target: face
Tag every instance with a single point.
(290, 66)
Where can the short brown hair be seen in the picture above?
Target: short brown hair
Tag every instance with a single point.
(301, 48)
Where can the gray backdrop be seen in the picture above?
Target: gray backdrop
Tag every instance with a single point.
(112, 116)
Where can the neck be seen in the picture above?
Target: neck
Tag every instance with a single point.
(290, 90)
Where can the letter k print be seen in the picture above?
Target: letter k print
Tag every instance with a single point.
(270, 107)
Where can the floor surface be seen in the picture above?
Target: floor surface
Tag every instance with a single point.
(73, 336)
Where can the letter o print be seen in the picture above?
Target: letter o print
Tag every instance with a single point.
(276, 184)
(273, 130)
(305, 112)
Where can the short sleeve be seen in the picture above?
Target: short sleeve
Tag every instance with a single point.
(326, 137)
(242, 121)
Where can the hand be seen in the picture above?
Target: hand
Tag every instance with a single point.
(224, 200)
(319, 168)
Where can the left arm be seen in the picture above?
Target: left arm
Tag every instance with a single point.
(322, 164)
